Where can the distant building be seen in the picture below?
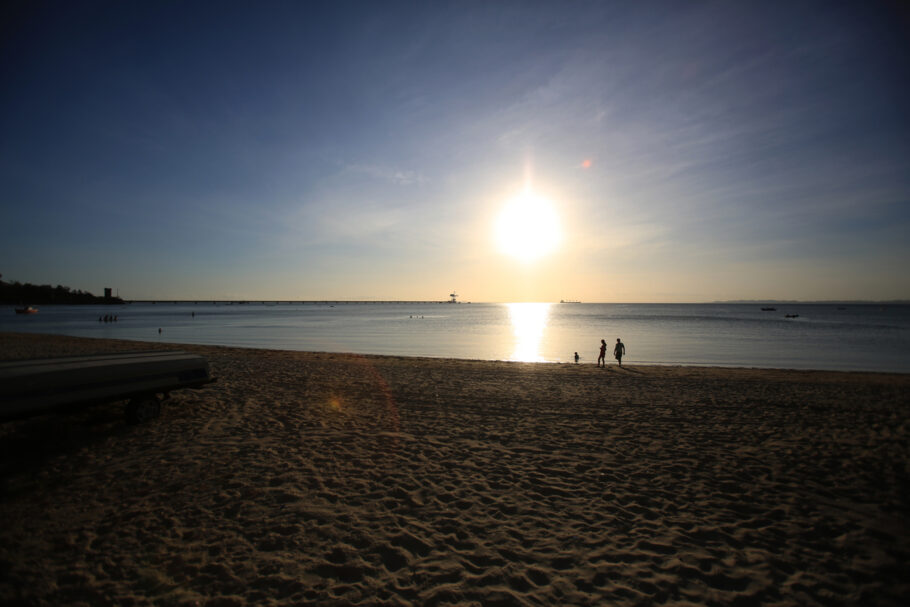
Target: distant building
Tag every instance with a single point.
(107, 293)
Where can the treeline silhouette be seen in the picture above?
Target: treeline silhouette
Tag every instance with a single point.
(18, 293)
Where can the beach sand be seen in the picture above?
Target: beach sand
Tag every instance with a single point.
(332, 479)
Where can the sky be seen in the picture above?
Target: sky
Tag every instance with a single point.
(687, 151)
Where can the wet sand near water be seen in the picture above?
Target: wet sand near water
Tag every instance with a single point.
(333, 479)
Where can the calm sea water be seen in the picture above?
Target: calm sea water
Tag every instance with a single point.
(850, 337)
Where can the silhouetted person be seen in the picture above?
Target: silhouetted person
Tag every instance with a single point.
(618, 350)
(602, 357)
(576, 358)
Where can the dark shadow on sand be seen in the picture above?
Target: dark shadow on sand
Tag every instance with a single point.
(627, 370)
(26, 445)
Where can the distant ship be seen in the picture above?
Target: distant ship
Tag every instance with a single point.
(454, 297)
(769, 309)
(27, 310)
(569, 301)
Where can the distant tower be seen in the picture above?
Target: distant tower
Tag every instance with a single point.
(453, 295)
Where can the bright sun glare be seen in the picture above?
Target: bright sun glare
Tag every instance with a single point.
(528, 227)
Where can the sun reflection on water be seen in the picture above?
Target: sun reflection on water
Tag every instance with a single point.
(528, 323)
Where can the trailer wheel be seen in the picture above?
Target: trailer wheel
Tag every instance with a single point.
(142, 409)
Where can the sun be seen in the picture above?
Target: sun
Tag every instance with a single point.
(528, 227)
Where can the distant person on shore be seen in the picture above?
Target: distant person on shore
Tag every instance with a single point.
(602, 358)
(576, 358)
(618, 350)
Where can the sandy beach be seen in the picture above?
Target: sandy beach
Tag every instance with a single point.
(332, 479)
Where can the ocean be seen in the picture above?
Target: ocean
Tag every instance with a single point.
(851, 337)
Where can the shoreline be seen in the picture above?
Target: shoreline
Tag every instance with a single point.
(330, 479)
(108, 344)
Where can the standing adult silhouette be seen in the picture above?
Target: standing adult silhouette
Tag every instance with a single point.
(618, 350)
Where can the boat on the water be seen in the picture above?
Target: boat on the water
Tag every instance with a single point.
(27, 310)
(769, 309)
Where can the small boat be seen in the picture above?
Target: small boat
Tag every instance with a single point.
(769, 309)
(27, 310)
(37, 386)
(791, 316)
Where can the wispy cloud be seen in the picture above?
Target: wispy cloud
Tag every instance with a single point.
(396, 176)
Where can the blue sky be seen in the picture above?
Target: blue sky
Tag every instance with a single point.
(348, 150)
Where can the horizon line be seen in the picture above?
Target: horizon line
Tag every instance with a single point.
(197, 300)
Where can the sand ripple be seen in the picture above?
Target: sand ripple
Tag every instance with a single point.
(343, 480)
